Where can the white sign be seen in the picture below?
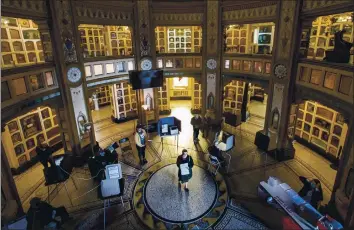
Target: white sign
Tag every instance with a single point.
(77, 96)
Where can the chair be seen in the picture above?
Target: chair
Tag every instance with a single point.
(107, 198)
(125, 145)
(214, 161)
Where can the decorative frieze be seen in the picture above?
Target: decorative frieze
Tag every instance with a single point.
(212, 26)
(180, 18)
(37, 6)
(144, 27)
(97, 13)
(286, 29)
(252, 13)
(309, 5)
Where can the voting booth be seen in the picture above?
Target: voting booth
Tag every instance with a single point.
(167, 127)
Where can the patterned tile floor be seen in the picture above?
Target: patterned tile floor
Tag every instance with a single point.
(248, 167)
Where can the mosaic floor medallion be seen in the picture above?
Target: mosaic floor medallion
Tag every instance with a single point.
(161, 204)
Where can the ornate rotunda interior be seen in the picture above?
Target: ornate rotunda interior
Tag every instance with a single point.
(108, 108)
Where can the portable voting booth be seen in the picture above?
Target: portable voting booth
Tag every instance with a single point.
(167, 127)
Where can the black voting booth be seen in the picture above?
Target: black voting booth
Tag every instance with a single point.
(97, 164)
(59, 172)
(167, 127)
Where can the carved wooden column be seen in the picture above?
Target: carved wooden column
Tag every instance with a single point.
(212, 48)
(145, 58)
(75, 115)
(282, 79)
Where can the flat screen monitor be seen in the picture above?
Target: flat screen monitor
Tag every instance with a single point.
(146, 79)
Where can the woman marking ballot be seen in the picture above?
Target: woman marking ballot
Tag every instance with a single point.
(185, 164)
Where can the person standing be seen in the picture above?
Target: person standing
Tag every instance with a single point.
(44, 153)
(311, 191)
(197, 123)
(185, 164)
(140, 141)
(208, 121)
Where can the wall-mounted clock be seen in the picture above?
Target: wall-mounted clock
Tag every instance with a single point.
(211, 64)
(74, 74)
(146, 64)
(280, 71)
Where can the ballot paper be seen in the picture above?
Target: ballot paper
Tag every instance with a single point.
(184, 169)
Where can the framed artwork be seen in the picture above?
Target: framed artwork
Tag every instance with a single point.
(13, 127)
(45, 113)
(16, 138)
(30, 143)
(31, 125)
(19, 149)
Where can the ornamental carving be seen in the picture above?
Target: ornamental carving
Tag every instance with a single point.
(280, 71)
(144, 25)
(212, 26)
(37, 6)
(277, 100)
(309, 5)
(286, 20)
(172, 18)
(267, 11)
(94, 13)
(66, 28)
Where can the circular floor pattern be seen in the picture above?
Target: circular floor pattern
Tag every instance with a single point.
(154, 220)
(168, 202)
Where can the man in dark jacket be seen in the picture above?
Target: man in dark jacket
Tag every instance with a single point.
(44, 153)
(311, 191)
(197, 123)
(41, 214)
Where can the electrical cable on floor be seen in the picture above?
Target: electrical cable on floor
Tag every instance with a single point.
(86, 192)
(79, 178)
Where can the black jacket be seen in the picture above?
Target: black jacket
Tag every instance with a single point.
(39, 218)
(317, 194)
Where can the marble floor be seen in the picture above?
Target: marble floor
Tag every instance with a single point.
(248, 167)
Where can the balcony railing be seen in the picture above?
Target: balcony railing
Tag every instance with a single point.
(331, 78)
(185, 62)
(24, 85)
(108, 68)
(260, 65)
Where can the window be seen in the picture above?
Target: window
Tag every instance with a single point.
(345, 84)
(36, 81)
(315, 76)
(88, 71)
(159, 63)
(5, 92)
(130, 65)
(121, 67)
(349, 185)
(110, 68)
(329, 81)
(227, 64)
(49, 78)
(19, 85)
(98, 69)
(180, 82)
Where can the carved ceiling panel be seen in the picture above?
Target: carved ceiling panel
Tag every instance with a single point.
(252, 13)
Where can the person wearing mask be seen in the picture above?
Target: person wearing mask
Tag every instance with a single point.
(44, 153)
(41, 215)
(311, 191)
(185, 164)
(140, 141)
(197, 123)
(208, 121)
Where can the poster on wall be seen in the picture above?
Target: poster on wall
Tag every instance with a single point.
(80, 111)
